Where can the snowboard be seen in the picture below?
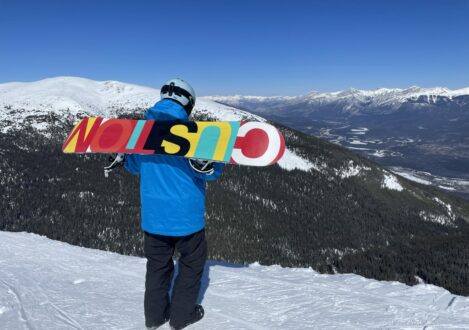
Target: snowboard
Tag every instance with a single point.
(244, 143)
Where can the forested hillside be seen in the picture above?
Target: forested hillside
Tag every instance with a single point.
(346, 214)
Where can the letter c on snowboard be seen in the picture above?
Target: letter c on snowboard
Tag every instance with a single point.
(257, 144)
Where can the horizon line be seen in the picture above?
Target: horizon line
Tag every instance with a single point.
(245, 95)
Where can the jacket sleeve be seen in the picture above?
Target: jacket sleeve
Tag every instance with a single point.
(218, 169)
(132, 163)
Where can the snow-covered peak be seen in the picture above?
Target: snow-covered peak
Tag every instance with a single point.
(400, 92)
(348, 92)
(75, 95)
(250, 98)
(391, 93)
(461, 91)
(349, 99)
(64, 96)
(98, 98)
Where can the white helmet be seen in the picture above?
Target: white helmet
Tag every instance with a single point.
(179, 91)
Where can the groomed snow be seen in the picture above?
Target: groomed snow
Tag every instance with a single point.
(45, 284)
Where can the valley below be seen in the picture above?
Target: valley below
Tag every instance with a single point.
(420, 133)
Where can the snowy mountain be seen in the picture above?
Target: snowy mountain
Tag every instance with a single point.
(84, 96)
(416, 129)
(323, 206)
(353, 100)
(45, 284)
(80, 96)
(74, 97)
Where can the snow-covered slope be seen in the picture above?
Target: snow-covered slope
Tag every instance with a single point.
(76, 94)
(99, 98)
(46, 284)
(73, 97)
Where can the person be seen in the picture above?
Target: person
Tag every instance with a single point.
(172, 193)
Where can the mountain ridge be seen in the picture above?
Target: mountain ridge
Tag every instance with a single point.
(401, 94)
(351, 101)
(419, 130)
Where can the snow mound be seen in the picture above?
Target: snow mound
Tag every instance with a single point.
(351, 170)
(448, 207)
(291, 161)
(46, 284)
(391, 182)
(436, 218)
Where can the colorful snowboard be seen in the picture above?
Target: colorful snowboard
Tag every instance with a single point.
(244, 143)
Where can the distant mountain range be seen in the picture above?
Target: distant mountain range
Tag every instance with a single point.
(355, 101)
(416, 131)
(322, 206)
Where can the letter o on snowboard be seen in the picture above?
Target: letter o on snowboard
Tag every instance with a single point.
(112, 135)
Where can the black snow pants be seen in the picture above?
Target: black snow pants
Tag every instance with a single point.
(159, 253)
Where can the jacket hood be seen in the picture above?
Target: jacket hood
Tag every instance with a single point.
(166, 110)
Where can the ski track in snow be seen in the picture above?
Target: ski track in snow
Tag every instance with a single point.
(45, 284)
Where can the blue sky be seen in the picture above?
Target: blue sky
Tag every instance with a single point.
(239, 47)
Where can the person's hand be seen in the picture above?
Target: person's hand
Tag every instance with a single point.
(114, 162)
(202, 165)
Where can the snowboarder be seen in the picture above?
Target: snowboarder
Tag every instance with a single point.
(172, 192)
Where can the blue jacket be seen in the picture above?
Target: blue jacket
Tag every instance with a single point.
(172, 194)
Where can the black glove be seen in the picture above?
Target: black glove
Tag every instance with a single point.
(116, 161)
(202, 166)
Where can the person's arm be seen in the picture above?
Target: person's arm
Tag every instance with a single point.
(218, 169)
(132, 163)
